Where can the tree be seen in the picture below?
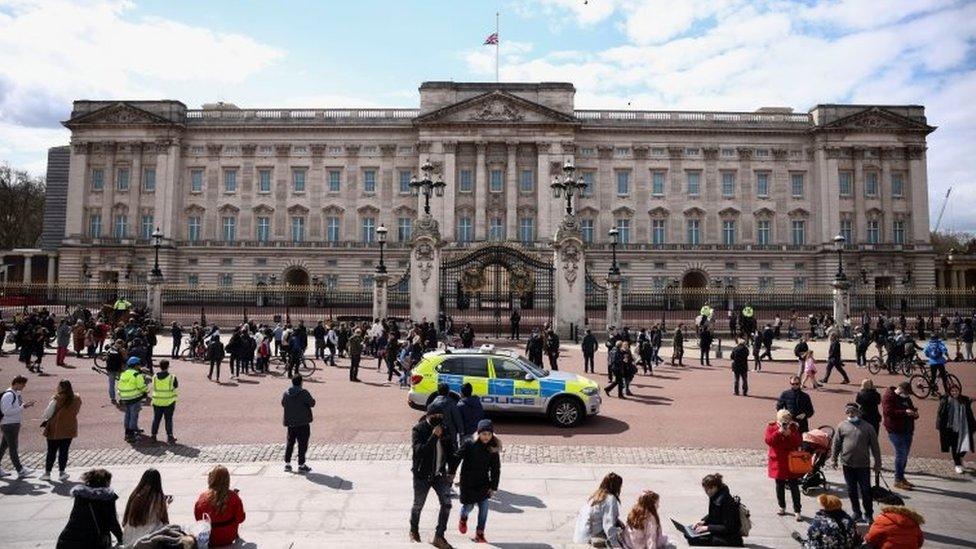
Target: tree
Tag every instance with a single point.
(21, 208)
(962, 242)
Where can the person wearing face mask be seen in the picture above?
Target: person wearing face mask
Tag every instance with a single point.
(855, 444)
(433, 452)
(900, 414)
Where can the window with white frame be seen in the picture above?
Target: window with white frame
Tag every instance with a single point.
(192, 280)
(149, 179)
(621, 152)
(796, 185)
(95, 225)
(230, 180)
(121, 225)
(623, 182)
(762, 153)
(765, 282)
(331, 282)
(226, 280)
(298, 228)
(465, 181)
(122, 179)
(146, 227)
(728, 184)
(298, 179)
(871, 184)
(728, 153)
(898, 232)
(527, 181)
(496, 181)
(589, 179)
(332, 229)
(335, 180)
(897, 185)
(847, 230)
(762, 184)
(728, 232)
(369, 230)
(799, 283)
(405, 177)
(464, 231)
(694, 183)
(799, 232)
(496, 229)
(98, 179)
(874, 231)
(846, 182)
(263, 229)
(369, 181)
(658, 231)
(586, 227)
(526, 228)
(264, 180)
(404, 229)
(623, 228)
(657, 183)
(366, 281)
(763, 232)
(196, 181)
(193, 228)
(693, 231)
(229, 226)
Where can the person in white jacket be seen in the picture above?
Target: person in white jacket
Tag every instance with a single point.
(598, 522)
(12, 407)
(643, 526)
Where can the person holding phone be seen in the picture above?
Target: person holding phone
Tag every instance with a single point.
(146, 511)
(12, 408)
(433, 453)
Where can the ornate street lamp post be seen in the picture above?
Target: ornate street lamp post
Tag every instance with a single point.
(839, 246)
(157, 237)
(568, 185)
(427, 186)
(614, 236)
(381, 238)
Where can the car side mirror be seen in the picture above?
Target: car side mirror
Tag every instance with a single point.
(529, 377)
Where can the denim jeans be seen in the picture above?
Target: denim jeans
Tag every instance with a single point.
(902, 443)
(10, 437)
(482, 512)
(57, 449)
(132, 415)
(441, 485)
(858, 481)
(111, 386)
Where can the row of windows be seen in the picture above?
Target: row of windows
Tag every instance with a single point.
(661, 282)
(872, 184)
(122, 179)
(329, 281)
(120, 226)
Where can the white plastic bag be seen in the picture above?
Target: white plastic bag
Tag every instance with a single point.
(201, 532)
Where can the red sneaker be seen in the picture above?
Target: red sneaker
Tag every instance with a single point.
(479, 537)
(463, 526)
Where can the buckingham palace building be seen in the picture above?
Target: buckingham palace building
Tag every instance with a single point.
(295, 196)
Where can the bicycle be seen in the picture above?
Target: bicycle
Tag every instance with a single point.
(922, 386)
(307, 368)
(194, 354)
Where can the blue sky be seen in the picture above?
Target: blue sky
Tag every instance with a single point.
(640, 54)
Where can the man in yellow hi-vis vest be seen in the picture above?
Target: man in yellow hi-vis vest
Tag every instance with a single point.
(132, 390)
(164, 386)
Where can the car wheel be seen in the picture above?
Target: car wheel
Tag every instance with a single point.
(566, 412)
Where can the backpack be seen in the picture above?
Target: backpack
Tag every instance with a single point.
(745, 518)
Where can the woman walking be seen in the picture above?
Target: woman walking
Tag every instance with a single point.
(783, 437)
(222, 505)
(956, 426)
(598, 522)
(146, 510)
(93, 520)
(60, 426)
(480, 470)
(643, 527)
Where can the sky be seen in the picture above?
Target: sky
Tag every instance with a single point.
(630, 54)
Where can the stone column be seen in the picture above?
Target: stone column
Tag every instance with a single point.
(135, 191)
(78, 190)
(28, 274)
(615, 313)
(917, 184)
(168, 200)
(450, 189)
(842, 298)
(154, 297)
(108, 192)
(511, 193)
(480, 193)
(51, 268)
(543, 192)
(380, 295)
(569, 289)
(425, 270)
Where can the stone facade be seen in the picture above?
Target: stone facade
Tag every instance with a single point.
(249, 195)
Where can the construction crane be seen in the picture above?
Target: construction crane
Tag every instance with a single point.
(945, 202)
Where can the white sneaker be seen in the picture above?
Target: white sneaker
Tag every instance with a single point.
(960, 470)
(4, 473)
(24, 472)
(63, 477)
(45, 476)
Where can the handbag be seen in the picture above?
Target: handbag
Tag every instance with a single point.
(800, 462)
(106, 538)
(200, 530)
(884, 494)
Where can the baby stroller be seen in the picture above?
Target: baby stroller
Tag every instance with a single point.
(818, 442)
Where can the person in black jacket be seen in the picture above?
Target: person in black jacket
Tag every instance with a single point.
(740, 367)
(757, 342)
(297, 404)
(956, 425)
(678, 345)
(445, 404)
(533, 348)
(800, 351)
(552, 349)
(480, 470)
(433, 452)
(797, 403)
(94, 519)
(515, 320)
(176, 331)
(589, 345)
(869, 399)
(704, 345)
(834, 361)
(722, 524)
(215, 354)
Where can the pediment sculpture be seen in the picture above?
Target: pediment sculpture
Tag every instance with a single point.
(497, 111)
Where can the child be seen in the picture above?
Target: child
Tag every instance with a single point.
(809, 371)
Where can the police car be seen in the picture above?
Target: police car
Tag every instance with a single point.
(505, 382)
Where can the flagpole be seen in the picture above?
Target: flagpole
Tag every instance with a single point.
(497, 42)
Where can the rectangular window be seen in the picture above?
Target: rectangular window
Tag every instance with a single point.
(229, 228)
(196, 181)
(728, 232)
(405, 177)
(897, 185)
(874, 232)
(623, 226)
(121, 225)
(694, 183)
(589, 179)
(898, 232)
(728, 184)
(369, 230)
(847, 230)
(404, 229)
(298, 229)
(496, 229)
(331, 282)
(728, 153)
(149, 180)
(765, 282)
(193, 228)
(98, 179)
(335, 178)
(799, 231)
(466, 182)
(263, 229)
(298, 179)
(526, 228)
(796, 184)
(464, 232)
(623, 182)
(230, 181)
(871, 184)
(332, 229)
(366, 281)
(497, 181)
(95, 225)
(846, 181)
(799, 283)
(264, 180)
(192, 280)
(369, 181)
(657, 183)
(146, 227)
(657, 232)
(122, 179)
(586, 227)
(226, 280)
(762, 184)
(694, 231)
(527, 181)
(763, 232)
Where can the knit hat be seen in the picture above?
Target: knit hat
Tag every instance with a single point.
(133, 361)
(485, 425)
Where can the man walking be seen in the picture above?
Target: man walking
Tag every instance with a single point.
(132, 390)
(552, 349)
(798, 403)
(855, 443)
(899, 420)
(355, 354)
(432, 453)
(589, 345)
(834, 361)
(740, 367)
(297, 404)
(164, 386)
(331, 343)
(12, 408)
(800, 351)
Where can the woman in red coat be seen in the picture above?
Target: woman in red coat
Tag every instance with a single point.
(222, 505)
(782, 437)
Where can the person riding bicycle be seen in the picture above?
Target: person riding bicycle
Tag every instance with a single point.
(937, 353)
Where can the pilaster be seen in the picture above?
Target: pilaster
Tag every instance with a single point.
(480, 193)
(511, 192)
(543, 193)
(425, 268)
(380, 295)
(570, 292)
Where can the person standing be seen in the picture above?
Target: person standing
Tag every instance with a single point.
(740, 367)
(60, 424)
(757, 351)
(481, 467)
(800, 352)
(63, 339)
(899, 420)
(967, 334)
(589, 345)
(114, 366)
(432, 454)
(704, 345)
(834, 361)
(319, 333)
(869, 399)
(176, 332)
(215, 354)
(783, 437)
(678, 345)
(798, 404)
(956, 426)
(533, 348)
(355, 354)
(937, 354)
(855, 443)
(622, 362)
(164, 396)
(132, 390)
(470, 409)
(552, 349)
(12, 408)
(515, 320)
(297, 404)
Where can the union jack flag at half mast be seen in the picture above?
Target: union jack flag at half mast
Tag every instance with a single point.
(492, 39)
